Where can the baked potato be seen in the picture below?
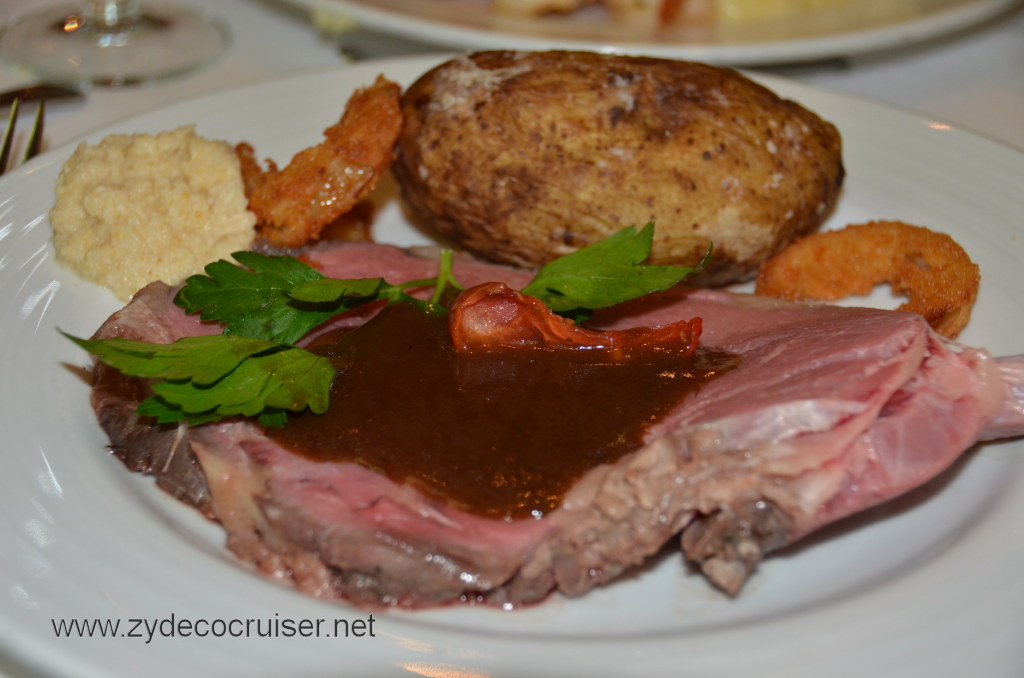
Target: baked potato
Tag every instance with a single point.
(521, 157)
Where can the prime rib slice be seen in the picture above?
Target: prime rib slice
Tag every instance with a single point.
(831, 411)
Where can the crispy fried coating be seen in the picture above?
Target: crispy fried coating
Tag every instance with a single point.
(934, 272)
(292, 205)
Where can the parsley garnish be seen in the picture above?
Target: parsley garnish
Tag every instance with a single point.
(256, 301)
(604, 274)
(208, 378)
(270, 302)
(336, 291)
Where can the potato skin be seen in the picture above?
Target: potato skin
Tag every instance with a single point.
(521, 157)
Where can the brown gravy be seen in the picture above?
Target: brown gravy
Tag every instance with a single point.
(500, 436)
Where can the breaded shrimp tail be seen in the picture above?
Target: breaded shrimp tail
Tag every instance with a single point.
(323, 182)
(934, 272)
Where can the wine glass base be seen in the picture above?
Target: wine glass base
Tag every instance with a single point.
(168, 40)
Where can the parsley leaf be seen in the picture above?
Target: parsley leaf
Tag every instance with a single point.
(211, 377)
(256, 301)
(285, 379)
(331, 290)
(201, 359)
(604, 274)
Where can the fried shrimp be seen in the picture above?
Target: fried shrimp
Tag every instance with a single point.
(935, 274)
(292, 205)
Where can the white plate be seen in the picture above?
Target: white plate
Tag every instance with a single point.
(864, 27)
(926, 586)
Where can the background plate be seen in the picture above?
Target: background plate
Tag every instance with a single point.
(863, 27)
(923, 586)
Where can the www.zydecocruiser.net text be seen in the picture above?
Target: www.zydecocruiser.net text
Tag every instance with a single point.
(149, 629)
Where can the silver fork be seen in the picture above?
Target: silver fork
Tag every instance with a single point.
(35, 137)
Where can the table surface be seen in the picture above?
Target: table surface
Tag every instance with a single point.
(973, 80)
